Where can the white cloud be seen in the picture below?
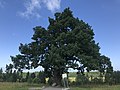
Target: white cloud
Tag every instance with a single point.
(33, 7)
(52, 5)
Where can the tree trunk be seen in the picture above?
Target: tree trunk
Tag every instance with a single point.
(57, 77)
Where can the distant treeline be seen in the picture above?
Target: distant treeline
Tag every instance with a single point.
(39, 77)
(95, 78)
(20, 76)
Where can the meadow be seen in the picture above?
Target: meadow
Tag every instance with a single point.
(25, 86)
(16, 86)
(99, 87)
(13, 86)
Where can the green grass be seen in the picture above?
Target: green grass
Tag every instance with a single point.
(13, 86)
(25, 86)
(102, 87)
(16, 86)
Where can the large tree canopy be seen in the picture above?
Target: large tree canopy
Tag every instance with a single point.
(68, 42)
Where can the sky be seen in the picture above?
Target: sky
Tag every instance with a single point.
(19, 17)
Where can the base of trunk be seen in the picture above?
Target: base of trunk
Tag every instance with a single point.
(57, 77)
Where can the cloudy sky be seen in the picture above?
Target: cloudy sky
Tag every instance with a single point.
(18, 17)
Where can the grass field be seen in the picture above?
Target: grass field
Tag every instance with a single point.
(94, 74)
(25, 86)
(16, 86)
(103, 87)
(13, 86)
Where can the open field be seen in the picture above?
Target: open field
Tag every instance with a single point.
(102, 87)
(16, 86)
(13, 86)
(94, 74)
(25, 86)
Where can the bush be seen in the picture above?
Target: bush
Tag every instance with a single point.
(41, 77)
(50, 81)
(116, 77)
(109, 78)
(23, 80)
(32, 75)
(29, 80)
(36, 80)
(96, 81)
(81, 79)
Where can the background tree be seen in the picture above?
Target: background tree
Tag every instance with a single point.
(1, 75)
(27, 76)
(9, 72)
(41, 76)
(14, 76)
(116, 77)
(67, 43)
(105, 68)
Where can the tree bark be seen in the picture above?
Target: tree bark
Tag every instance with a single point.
(57, 77)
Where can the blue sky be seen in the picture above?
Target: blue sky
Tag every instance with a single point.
(18, 17)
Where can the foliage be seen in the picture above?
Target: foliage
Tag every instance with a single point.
(32, 75)
(96, 81)
(81, 79)
(29, 80)
(41, 77)
(67, 43)
(116, 77)
(1, 75)
(36, 80)
(27, 76)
